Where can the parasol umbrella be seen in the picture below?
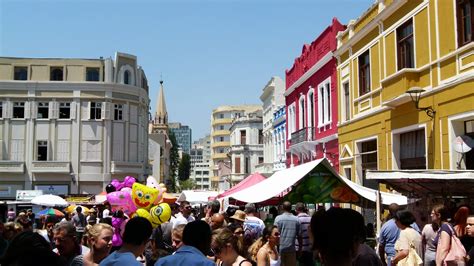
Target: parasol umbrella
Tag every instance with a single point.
(51, 212)
(49, 200)
(72, 208)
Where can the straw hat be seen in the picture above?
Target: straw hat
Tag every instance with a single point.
(239, 216)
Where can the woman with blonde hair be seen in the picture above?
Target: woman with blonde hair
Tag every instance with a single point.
(228, 248)
(100, 242)
(264, 251)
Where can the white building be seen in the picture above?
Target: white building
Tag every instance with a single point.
(69, 126)
(201, 162)
(246, 152)
(272, 97)
(279, 138)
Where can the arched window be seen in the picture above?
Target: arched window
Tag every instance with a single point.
(126, 77)
(310, 109)
(56, 74)
(302, 114)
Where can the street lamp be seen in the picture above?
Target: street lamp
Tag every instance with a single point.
(415, 94)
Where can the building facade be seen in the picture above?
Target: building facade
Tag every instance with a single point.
(71, 125)
(272, 97)
(246, 152)
(311, 101)
(201, 162)
(221, 120)
(159, 142)
(279, 138)
(183, 135)
(394, 49)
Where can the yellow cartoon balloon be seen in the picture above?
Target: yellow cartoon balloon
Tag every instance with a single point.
(143, 196)
(160, 213)
(157, 214)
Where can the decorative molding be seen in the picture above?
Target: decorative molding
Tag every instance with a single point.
(322, 62)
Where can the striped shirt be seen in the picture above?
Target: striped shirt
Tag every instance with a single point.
(289, 227)
(305, 221)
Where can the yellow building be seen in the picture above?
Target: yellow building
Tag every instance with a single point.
(221, 121)
(395, 47)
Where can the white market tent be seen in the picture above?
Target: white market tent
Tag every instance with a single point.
(421, 183)
(282, 181)
(196, 197)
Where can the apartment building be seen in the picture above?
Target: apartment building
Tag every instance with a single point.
(69, 126)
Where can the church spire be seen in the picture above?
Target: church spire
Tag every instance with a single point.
(161, 115)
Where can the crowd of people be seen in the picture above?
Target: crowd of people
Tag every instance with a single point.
(237, 237)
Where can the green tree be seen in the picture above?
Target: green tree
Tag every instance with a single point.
(188, 184)
(174, 162)
(184, 169)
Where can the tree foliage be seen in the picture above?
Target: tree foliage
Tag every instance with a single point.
(184, 169)
(188, 184)
(174, 162)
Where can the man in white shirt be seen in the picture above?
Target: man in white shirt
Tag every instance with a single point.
(106, 212)
(184, 216)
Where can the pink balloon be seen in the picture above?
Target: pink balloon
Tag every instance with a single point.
(121, 200)
(118, 228)
(127, 182)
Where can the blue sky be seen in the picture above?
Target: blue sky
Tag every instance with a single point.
(210, 52)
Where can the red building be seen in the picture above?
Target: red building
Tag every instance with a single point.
(311, 101)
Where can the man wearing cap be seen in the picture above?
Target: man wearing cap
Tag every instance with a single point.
(253, 226)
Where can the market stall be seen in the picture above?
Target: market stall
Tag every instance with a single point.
(196, 197)
(314, 182)
(247, 182)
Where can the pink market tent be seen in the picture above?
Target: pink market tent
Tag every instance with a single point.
(247, 182)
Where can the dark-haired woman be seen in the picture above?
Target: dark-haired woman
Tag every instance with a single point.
(265, 251)
(408, 238)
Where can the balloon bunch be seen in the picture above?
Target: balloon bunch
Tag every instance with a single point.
(135, 199)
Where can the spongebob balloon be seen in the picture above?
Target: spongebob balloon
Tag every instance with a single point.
(151, 182)
(157, 214)
(143, 196)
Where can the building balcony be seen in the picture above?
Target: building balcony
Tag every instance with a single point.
(218, 156)
(222, 121)
(12, 167)
(50, 167)
(221, 133)
(302, 143)
(126, 167)
(220, 144)
(247, 147)
(304, 134)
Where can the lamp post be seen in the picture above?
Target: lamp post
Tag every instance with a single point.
(415, 95)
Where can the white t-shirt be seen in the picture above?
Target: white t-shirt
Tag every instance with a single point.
(105, 213)
(180, 219)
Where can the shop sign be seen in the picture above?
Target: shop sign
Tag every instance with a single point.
(53, 189)
(27, 195)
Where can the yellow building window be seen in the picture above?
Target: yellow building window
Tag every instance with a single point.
(364, 73)
(465, 21)
(405, 45)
